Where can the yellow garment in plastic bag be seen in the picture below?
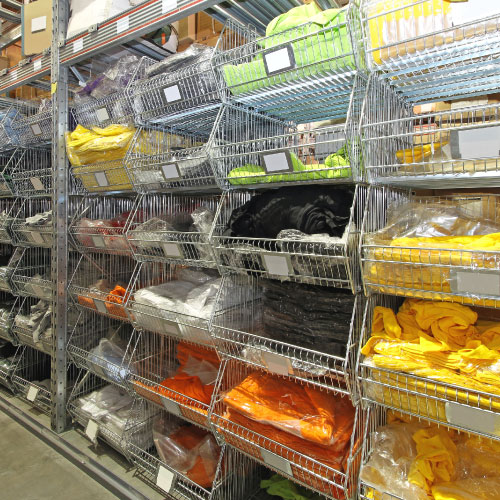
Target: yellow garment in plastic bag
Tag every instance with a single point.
(485, 488)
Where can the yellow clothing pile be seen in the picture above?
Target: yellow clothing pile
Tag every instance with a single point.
(441, 341)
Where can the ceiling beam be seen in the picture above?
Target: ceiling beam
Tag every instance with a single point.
(9, 15)
(11, 37)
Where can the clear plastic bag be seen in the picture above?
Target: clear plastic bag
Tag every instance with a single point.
(108, 360)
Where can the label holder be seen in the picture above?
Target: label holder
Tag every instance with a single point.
(279, 60)
(98, 241)
(277, 264)
(277, 161)
(36, 129)
(165, 479)
(171, 172)
(171, 406)
(101, 179)
(32, 393)
(102, 114)
(276, 363)
(171, 94)
(475, 419)
(37, 183)
(172, 250)
(100, 306)
(92, 430)
(475, 282)
(276, 462)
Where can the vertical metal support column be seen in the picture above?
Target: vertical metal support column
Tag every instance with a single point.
(59, 89)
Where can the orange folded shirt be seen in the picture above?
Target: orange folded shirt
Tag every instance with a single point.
(187, 385)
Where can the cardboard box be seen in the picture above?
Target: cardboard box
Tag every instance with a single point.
(4, 62)
(36, 27)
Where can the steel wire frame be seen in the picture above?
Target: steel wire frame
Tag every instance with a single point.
(424, 398)
(155, 359)
(316, 263)
(235, 477)
(31, 174)
(238, 334)
(33, 367)
(6, 329)
(34, 127)
(9, 208)
(434, 274)
(174, 157)
(94, 268)
(6, 284)
(316, 85)
(432, 56)
(11, 114)
(25, 235)
(88, 382)
(190, 248)
(8, 160)
(6, 373)
(286, 461)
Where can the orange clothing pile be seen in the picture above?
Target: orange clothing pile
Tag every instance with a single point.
(117, 296)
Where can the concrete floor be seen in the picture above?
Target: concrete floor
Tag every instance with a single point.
(31, 470)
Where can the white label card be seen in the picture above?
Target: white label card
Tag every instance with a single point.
(36, 129)
(101, 179)
(91, 430)
(37, 238)
(482, 142)
(172, 250)
(164, 479)
(279, 60)
(276, 462)
(277, 162)
(98, 241)
(122, 24)
(32, 393)
(476, 283)
(467, 12)
(476, 420)
(170, 172)
(38, 24)
(100, 306)
(78, 45)
(278, 265)
(37, 65)
(171, 406)
(172, 93)
(102, 114)
(276, 363)
(35, 181)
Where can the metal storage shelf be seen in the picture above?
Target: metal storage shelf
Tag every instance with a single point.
(239, 334)
(31, 175)
(8, 160)
(8, 313)
(25, 231)
(6, 271)
(304, 261)
(29, 276)
(9, 208)
(37, 68)
(423, 272)
(157, 240)
(315, 74)
(7, 372)
(10, 116)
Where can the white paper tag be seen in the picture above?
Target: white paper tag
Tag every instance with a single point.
(467, 12)
(278, 60)
(474, 282)
(32, 393)
(164, 479)
(172, 93)
(37, 238)
(91, 430)
(38, 24)
(100, 306)
(276, 363)
(98, 241)
(37, 65)
(101, 179)
(278, 265)
(172, 250)
(78, 45)
(168, 5)
(276, 462)
(475, 419)
(171, 406)
(122, 24)
(102, 114)
(277, 162)
(170, 172)
(36, 129)
(35, 181)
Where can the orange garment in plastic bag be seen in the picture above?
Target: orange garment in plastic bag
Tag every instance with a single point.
(117, 296)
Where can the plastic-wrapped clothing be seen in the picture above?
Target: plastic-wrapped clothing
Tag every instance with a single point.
(108, 359)
(41, 219)
(117, 296)
(485, 488)
(278, 486)
(310, 209)
(102, 402)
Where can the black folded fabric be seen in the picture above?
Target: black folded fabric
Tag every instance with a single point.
(310, 209)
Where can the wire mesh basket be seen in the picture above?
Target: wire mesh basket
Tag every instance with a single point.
(312, 465)
(442, 146)
(10, 116)
(9, 208)
(174, 157)
(9, 258)
(31, 378)
(9, 356)
(433, 49)
(9, 307)
(100, 225)
(313, 259)
(31, 276)
(31, 175)
(431, 268)
(255, 150)
(229, 474)
(157, 375)
(8, 160)
(305, 72)
(101, 284)
(175, 229)
(103, 346)
(32, 226)
(35, 126)
(271, 332)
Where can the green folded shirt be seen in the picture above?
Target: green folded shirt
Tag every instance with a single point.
(286, 489)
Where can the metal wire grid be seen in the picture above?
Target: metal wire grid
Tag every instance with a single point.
(239, 335)
(84, 342)
(235, 477)
(317, 263)
(456, 147)
(6, 371)
(31, 175)
(8, 159)
(285, 461)
(95, 277)
(433, 49)
(31, 275)
(9, 207)
(302, 74)
(35, 127)
(10, 307)
(459, 407)
(174, 157)
(100, 225)
(6, 271)
(116, 107)
(255, 150)
(154, 361)
(9, 136)
(436, 274)
(158, 240)
(26, 231)
(31, 378)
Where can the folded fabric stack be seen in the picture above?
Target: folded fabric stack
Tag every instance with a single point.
(114, 300)
(317, 425)
(320, 42)
(38, 323)
(418, 461)
(188, 450)
(440, 341)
